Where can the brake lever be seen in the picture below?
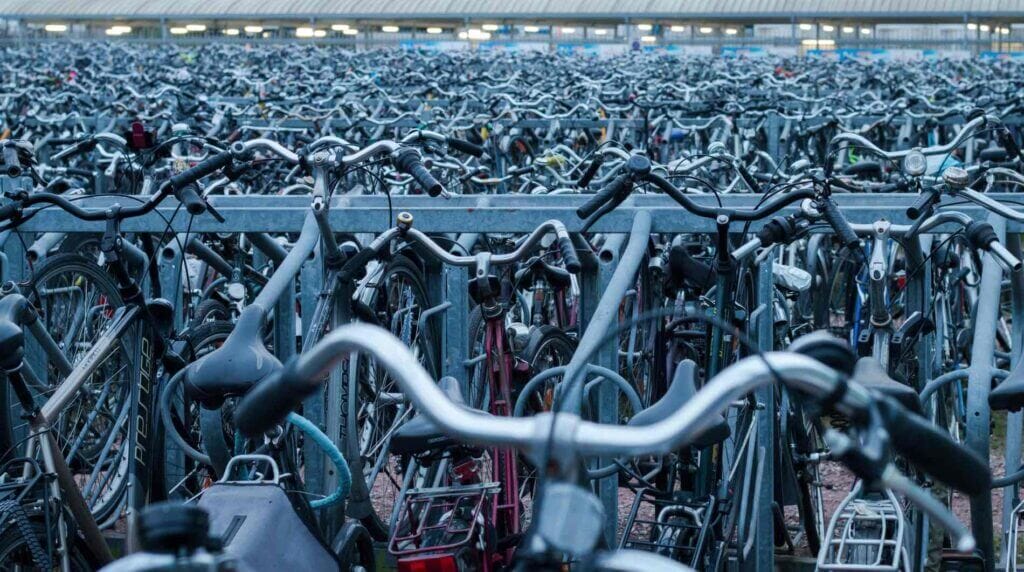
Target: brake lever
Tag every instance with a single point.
(963, 540)
(213, 211)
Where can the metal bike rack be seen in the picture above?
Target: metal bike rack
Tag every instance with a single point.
(640, 216)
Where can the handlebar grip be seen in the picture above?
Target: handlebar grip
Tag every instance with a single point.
(983, 237)
(76, 149)
(408, 161)
(465, 147)
(922, 205)
(839, 224)
(423, 178)
(569, 258)
(188, 195)
(354, 266)
(8, 211)
(201, 169)
(592, 168)
(12, 165)
(267, 404)
(1007, 141)
(603, 196)
(933, 451)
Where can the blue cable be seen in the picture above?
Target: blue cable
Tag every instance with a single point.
(324, 442)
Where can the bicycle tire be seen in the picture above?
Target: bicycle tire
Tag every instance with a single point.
(378, 524)
(85, 270)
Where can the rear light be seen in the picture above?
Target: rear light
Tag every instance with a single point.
(429, 563)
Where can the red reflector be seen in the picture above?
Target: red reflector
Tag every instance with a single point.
(431, 563)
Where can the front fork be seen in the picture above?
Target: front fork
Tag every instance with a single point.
(505, 461)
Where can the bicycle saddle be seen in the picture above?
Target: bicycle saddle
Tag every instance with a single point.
(535, 266)
(236, 366)
(684, 269)
(1009, 394)
(420, 434)
(682, 389)
(869, 372)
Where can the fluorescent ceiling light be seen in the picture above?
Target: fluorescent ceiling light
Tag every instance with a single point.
(568, 30)
(178, 30)
(806, 27)
(389, 29)
(865, 31)
(491, 27)
(230, 31)
(531, 29)
(731, 31)
(253, 29)
(648, 39)
(600, 31)
(304, 32)
(56, 28)
(433, 30)
(706, 29)
(196, 27)
(350, 31)
(678, 29)
(644, 27)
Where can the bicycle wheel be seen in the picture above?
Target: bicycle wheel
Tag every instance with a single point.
(548, 347)
(804, 435)
(23, 548)
(76, 300)
(183, 476)
(395, 298)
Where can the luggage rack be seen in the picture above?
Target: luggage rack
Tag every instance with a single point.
(669, 527)
(866, 533)
(441, 518)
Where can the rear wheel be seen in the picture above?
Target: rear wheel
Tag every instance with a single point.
(77, 300)
(395, 298)
(23, 548)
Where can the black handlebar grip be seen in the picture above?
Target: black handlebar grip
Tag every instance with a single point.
(77, 149)
(267, 404)
(933, 451)
(1009, 143)
(592, 168)
(569, 258)
(424, 179)
(839, 224)
(922, 205)
(867, 168)
(201, 169)
(465, 147)
(12, 165)
(981, 234)
(188, 195)
(408, 161)
(603, 196)
(355, 265)
(8, 211)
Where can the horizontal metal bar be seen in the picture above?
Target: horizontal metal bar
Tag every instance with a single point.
(503, 213)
